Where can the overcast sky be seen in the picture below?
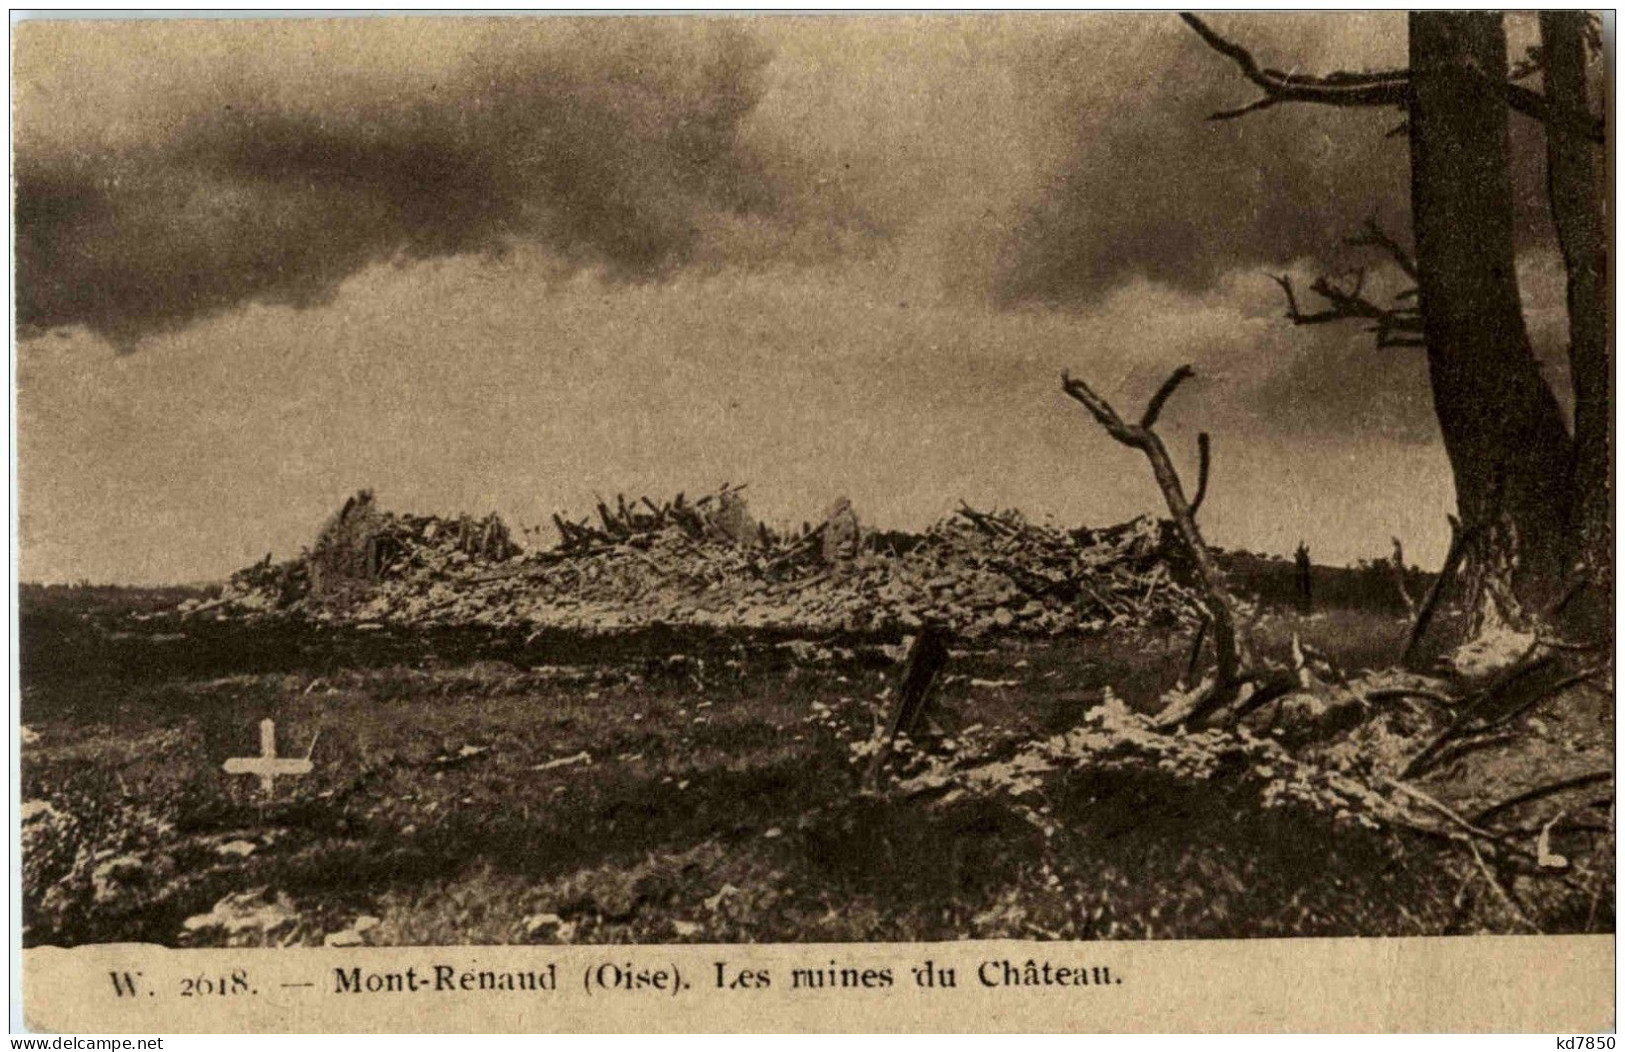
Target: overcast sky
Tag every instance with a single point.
(505, 264)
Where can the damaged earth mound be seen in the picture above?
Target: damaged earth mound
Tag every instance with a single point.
(707, 563)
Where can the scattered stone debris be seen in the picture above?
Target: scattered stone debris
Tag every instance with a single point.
(461, 756)
(49, 843)
(708, 563)
(247, 913)
(564, 761)
(354, 935)
(549, 925)
(538, 923)
(39, 811)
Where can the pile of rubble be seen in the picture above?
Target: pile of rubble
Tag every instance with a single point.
(706, 562)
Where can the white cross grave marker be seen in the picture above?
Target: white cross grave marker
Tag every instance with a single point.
(268, 765)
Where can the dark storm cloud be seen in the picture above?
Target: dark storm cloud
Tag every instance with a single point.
(614, 147)
(1039, 159)
(1149, 187)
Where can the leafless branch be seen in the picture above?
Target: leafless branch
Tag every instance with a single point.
(1554, 643)
(1557, 118)
(1296, 313)
(1204, 456)
(1470, 720)
(1375, 237)
(1394, 326)
(1153, 408)
(1386, 693)
(1293, 311)
(1101, 410)
(1380, 88)
(1500, 889)
(1455, 819)
(1574, 679)
(1541, 792)
(1383, 88)
(1232, 663)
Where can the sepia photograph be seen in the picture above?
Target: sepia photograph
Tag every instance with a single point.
(549, 480)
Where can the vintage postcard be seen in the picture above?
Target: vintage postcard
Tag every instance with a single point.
(1069, 521)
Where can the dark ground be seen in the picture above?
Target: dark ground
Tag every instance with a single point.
(721, 801)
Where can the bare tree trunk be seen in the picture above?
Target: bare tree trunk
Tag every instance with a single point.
(1509, 450)
(1576, 191)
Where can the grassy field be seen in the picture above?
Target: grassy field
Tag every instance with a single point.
(663, 786)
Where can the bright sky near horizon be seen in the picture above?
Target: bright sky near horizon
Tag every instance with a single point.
(482, 264)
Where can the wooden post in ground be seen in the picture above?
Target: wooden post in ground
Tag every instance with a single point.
(925, 659)
(1306, 584)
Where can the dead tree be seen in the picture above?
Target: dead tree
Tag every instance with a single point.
(1232, 660)
(1577, 188)
(1519, 460)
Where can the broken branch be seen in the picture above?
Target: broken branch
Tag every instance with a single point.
(1101, 410)
(1376, 237)
(1539, 793)
(1383, 88)
(1380, 88)
(1459, 538)
(1399, 579)
(1561, 685)
(1386, 693)
(1203, 457)
(1394, 326)
(1558, 118)
(1153, 408)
